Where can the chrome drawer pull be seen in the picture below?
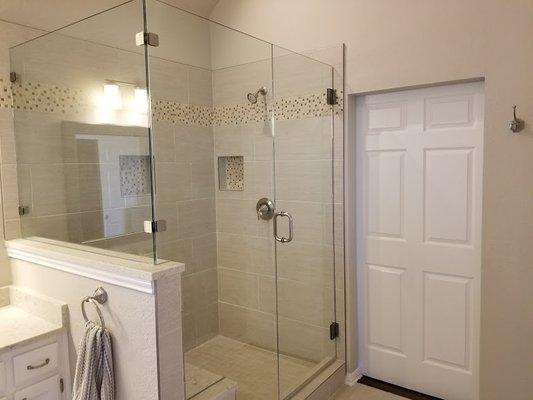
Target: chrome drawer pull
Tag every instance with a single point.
(46, 362)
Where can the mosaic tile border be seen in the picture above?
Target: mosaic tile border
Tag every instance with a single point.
(178, 113)
(6, 95)
(29, 96)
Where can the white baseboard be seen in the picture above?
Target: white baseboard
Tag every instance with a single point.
(353, 377)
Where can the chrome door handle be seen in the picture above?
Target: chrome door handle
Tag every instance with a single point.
(291, 227)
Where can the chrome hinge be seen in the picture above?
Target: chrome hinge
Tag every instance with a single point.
(24, 210)
(13, 77)
(155, 226)
(147, 38)
(61, 385)
(334, 330)
(331, 96)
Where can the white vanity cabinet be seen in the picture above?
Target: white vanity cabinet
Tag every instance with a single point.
(36, 370)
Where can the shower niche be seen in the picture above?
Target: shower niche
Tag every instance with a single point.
(231, 173)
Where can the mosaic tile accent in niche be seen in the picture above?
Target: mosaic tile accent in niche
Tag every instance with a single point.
(134, 175)
(231, 173)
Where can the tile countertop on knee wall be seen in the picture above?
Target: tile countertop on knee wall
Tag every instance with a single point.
(121, 269)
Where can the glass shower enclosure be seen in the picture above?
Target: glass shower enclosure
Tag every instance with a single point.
(149, 130)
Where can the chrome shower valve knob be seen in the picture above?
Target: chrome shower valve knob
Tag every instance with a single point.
(265, 209)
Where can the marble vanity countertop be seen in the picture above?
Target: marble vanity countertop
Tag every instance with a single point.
(18, 327)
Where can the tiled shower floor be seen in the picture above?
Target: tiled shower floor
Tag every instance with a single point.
(254, 369)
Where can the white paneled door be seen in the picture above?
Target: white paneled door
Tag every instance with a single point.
(419, 171)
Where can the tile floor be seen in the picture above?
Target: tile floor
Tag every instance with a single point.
(254, 369)
(363, 392)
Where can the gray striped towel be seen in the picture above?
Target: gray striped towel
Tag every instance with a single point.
(94, 378)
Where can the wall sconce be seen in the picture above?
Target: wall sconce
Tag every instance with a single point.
(112, 96)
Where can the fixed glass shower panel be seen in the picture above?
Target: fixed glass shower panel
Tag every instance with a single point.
(303, 154)
(81, 157)
(213, 160)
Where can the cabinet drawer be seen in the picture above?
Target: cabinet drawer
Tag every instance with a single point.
(35, 363)
(45, 390)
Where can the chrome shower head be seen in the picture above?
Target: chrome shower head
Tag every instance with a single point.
(252, 97)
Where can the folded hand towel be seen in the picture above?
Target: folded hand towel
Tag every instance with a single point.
(94, 378)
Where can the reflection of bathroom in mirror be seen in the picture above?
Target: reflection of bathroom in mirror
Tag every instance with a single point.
(191, 212)
(109, 177)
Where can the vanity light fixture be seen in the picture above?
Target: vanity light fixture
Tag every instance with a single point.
(112, 96)
(140, 100)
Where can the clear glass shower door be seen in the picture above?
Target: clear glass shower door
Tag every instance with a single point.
(305, 259)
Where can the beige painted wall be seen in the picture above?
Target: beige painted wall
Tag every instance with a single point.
(392, 44)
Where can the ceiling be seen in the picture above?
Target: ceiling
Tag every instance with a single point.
(53, 14)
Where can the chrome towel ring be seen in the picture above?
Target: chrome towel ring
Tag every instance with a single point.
(99, 297)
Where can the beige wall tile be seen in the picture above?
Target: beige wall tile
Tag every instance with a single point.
(173, 182)
(310, 304)
(16, 190)
(207, 323)
(296, 75)
(48, 188)
(169, 213)
(304, 139)
(304, 180)
(179, 250)
(203, 180)
(233, 141)
(246, 253)
(38, 138)
(200, 86)
(249, 326)
(267, 294)
(66, 227)
(230, 85)
(168, 80)
(196, 218)
(244, 222)
(307, 263)
(204, 252)
(189, 331)
(238, 288)
(163, 139)
(305, 341)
